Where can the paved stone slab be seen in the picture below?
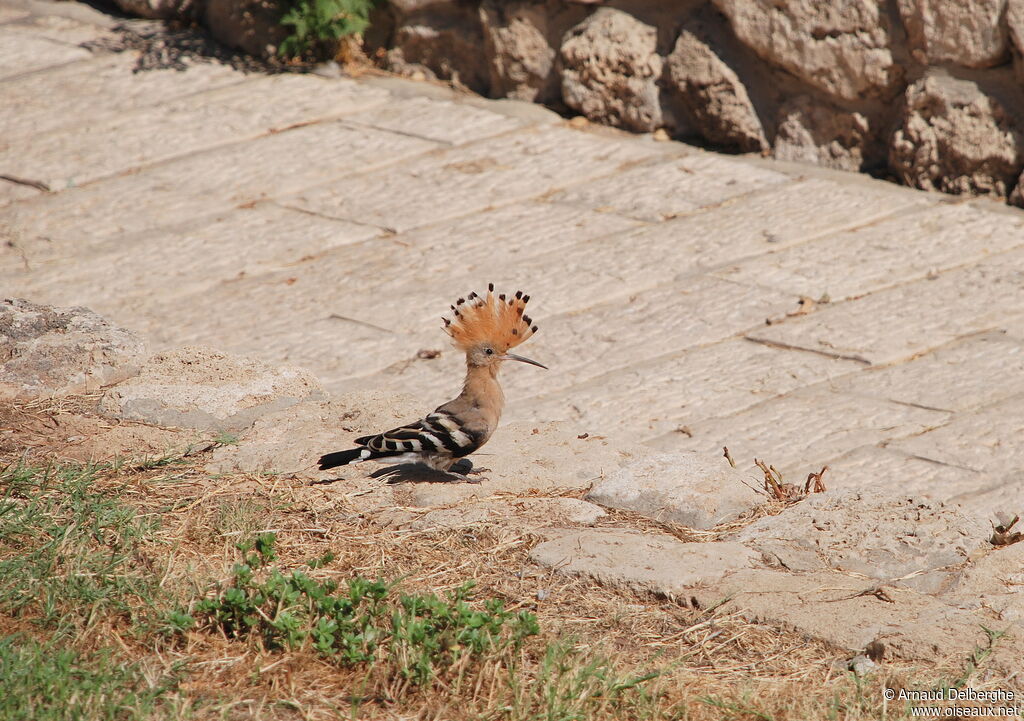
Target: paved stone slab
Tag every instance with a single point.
(667, 392)
(985, 441)
(883, 254)
(662, 190)
(994, 581)
(58, 28)
(21, 53)
(901, 322)
(652, 563)
(11, 192)
(186, 124)
(447, 184)
(889, 468)
(98, 87)
(692, 490)
(975, 372)
(440, 121)
(800, 432)
(67, 222)
(194, 260)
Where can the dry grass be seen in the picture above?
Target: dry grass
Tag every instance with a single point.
(710, 664)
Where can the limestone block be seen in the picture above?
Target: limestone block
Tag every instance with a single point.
(47, 351)
(821, 134)
(200, 388)
(521, 39)
(610, 70)
(969, 33)
(955, 138)
(986, 440)
(801, 432)
(883, 534)
(879, 255)
(440, 186)
(842, 49)
(21, 53)
(651, 563)
(667, 393)
(713, 95)
(686, 488)
(670, 188)
(919, 316)
(976, 372)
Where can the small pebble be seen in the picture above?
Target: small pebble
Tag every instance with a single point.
(542, 594)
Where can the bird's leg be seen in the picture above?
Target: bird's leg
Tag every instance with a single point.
(466, 467)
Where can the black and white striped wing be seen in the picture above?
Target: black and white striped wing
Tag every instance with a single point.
(439, 433)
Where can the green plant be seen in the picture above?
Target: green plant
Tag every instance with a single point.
(48, 682)
(69, 552)
(318, 25)
(358, 622)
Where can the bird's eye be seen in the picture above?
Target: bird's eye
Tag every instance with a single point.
(489, 351)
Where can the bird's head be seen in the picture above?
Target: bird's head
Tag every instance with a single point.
(486, 328)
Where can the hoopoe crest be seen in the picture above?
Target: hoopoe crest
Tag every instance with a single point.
(485, 328)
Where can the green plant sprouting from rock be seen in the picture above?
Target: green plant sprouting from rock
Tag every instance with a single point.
(317, 26)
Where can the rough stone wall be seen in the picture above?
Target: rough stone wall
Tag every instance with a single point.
(925, 91)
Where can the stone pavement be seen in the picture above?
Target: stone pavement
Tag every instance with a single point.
(328, 222)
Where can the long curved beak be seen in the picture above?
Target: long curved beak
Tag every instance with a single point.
(513, 356)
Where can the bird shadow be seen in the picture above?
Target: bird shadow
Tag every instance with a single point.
(413, 473)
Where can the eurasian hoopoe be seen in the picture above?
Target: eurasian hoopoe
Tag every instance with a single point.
(485, 329)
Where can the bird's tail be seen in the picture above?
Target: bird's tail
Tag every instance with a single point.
(339, 458)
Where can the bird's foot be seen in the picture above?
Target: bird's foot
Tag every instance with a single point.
(463, 478)
(464, 466)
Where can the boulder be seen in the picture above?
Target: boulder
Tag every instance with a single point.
(643, 562)
(714, 99)
(680, 487)
(842, 49)
(881, 535)
(813, 132)
(291, 440)
(441, 39)
(968, 32)
(954, 138)
(521, 39)
(611, 69)
(159, 9)
(252, 26)
(195, 387)
(47, 351)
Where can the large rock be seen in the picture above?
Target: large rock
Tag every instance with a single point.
(643, 562)
(253, 26)
(205, 389)
(966, 32)
(812, 132)
(713, 96)
(611, 69)
(881, 535)
(47, 351)
(291, 440)
(444, 39)
(520, 38)
(159, 9)
(955, 138)
(680, 487)
(840, 48)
